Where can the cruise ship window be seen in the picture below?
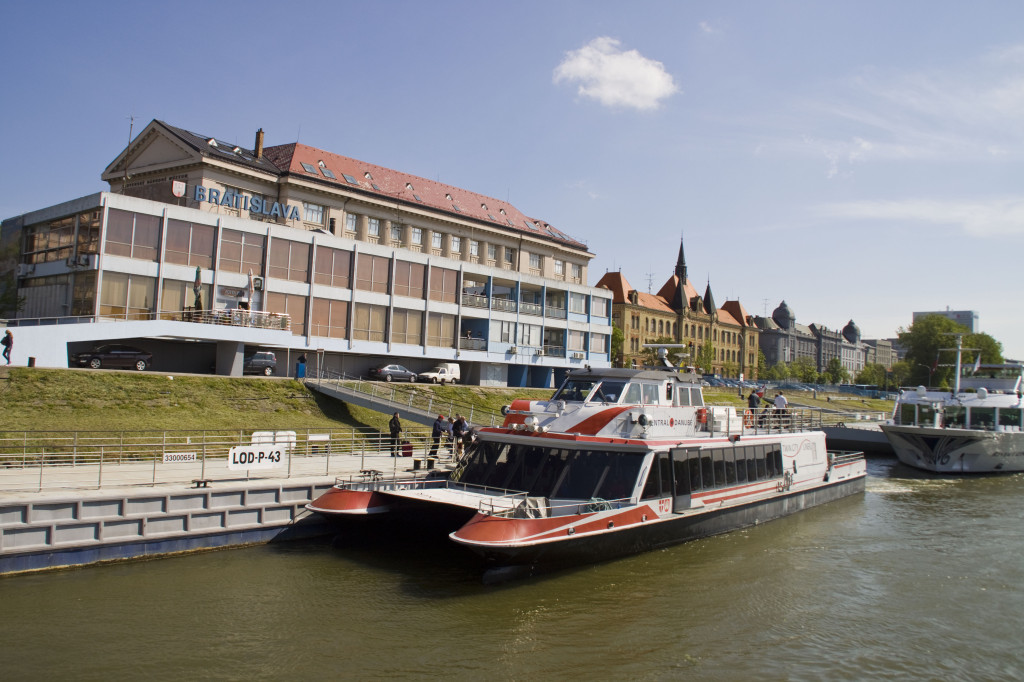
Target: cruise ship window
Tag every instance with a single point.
(650, 393)
(632, 394)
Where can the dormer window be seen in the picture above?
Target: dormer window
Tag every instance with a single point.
(212, 142)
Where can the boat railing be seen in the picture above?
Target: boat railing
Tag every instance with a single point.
(840, 457)
(526, 506)
(729, 422)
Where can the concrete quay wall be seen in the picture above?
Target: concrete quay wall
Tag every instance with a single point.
(48, 531)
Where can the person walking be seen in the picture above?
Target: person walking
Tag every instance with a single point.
(780, 407)
(458, 433)
(8, 344)
(438, 429)
(395, 428)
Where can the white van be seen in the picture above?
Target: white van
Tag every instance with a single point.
(446, 372)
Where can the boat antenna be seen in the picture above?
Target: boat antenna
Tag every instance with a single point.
(959, 353)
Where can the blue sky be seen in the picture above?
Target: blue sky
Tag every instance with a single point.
(859, 160)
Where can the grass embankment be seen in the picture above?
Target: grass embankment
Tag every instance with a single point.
(826, 401)
(79, 400)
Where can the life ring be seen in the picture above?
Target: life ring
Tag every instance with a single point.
(702, 416)
(748, 418)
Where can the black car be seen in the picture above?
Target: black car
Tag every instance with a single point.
(263, 362)
(114, 355)
(392, 373)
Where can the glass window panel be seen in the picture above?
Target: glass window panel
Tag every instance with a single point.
(178, 234)
(120, 225)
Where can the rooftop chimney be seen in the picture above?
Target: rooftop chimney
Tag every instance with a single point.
(259, 144)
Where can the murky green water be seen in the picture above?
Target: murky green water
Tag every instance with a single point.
(919, 578)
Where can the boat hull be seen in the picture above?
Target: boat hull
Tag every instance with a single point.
(957, 451)
(505, 562)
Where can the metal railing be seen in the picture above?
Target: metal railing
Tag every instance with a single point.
(413, 396)
(236, 317)
(43, 460)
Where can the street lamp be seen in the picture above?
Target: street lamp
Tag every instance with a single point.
(930, 370)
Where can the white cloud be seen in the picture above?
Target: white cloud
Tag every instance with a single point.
(976, 218)
(707, 28)
(616, 77)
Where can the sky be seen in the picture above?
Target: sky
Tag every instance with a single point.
(860, 160)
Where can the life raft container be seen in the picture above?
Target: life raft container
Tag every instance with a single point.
(702, 416)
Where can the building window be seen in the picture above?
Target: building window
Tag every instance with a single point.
(177, 296)
(598, 343)
(374, 227)
(441, 330)
(409, 279)
(510, 256)
(350, 222)
(456, 244)
(330, 318)
(369, 322)
(333, 267)
(416, 235)
(189, 244)
(131, 297)
(292, 305)
(578, 303)
(599, 307)
(530, 335)
(372, 273)
(576, 340)
(576, 272)
(133, 235)
(535, 261)
(559, 268)
(443, 284)
(242, 252)
(435, 240)
(492, 252)
(504, 332)
(396, 233)
(474, 248)
(289, 260)
(313, 213)
(407, 327)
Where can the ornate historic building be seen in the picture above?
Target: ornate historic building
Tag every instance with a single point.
(679, 313)
(783, 340)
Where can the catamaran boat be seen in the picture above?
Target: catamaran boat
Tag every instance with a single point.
(617, 462)
(973, 428)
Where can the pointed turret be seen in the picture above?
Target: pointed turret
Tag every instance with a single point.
(709, 301)
(681, 263)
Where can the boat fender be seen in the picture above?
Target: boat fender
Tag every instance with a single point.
(702, 416)
(748, 418)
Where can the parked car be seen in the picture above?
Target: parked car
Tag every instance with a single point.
(444, 373)
(392, 373)
(263, 362)
(114, 355)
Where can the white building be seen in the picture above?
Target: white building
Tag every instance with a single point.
(359, 262)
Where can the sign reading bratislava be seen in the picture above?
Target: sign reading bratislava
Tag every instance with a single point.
(244, 202)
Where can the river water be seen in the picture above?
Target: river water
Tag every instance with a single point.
(918, 578)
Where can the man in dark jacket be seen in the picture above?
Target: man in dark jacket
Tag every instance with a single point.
(439, 428)
(395, 427)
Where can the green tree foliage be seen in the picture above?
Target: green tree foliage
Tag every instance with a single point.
(706, 357)
(899, 374)
(928, 342)
(804, 369)
(835, 373)
(618, 339)
(873, 374)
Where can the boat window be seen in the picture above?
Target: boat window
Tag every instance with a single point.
(632, 394)
(620, 478)
(681, 468)
(766, 465)
(659, 481)
(608, 391)
(719, 458)
(741, 465)
(651, 394)
(1009, 416)
(955, 417)
(697, 470)
(730, 466)
(668, 392)
(982, 417)
(583, 474)
(908, 414)
(682, 396)
(925, 415)
(696, 397)
(706, 471)
(575, 390)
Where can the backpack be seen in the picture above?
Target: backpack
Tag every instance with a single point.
(6, 340)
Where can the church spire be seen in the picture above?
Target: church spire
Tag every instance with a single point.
(681, 264)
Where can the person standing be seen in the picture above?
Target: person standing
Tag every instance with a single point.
(458, 432)
(8, 344)
(780, 407)
(395, 428)
(438, 429)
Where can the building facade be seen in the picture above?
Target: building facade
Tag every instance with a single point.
(784, 340)
(727, 335)
(967, 318)
(361, 262)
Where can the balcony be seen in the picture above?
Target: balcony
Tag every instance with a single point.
(506, 304)
(554, 313)
(527, 308)
(472, 344)
(474, 301)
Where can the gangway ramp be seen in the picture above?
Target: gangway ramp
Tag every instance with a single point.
(412, 402)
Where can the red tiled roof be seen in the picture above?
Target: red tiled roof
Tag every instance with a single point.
(616, 283)
(412, 189)
(654, 302)
(737, 311)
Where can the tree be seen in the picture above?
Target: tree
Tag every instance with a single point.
(618, 340)
(873, 374)
(835, 373)
(762, 364)
(900, 373)
(706, 358)
(928, 342)
(804, 370)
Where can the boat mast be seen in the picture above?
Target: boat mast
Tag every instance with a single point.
(959, 352)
